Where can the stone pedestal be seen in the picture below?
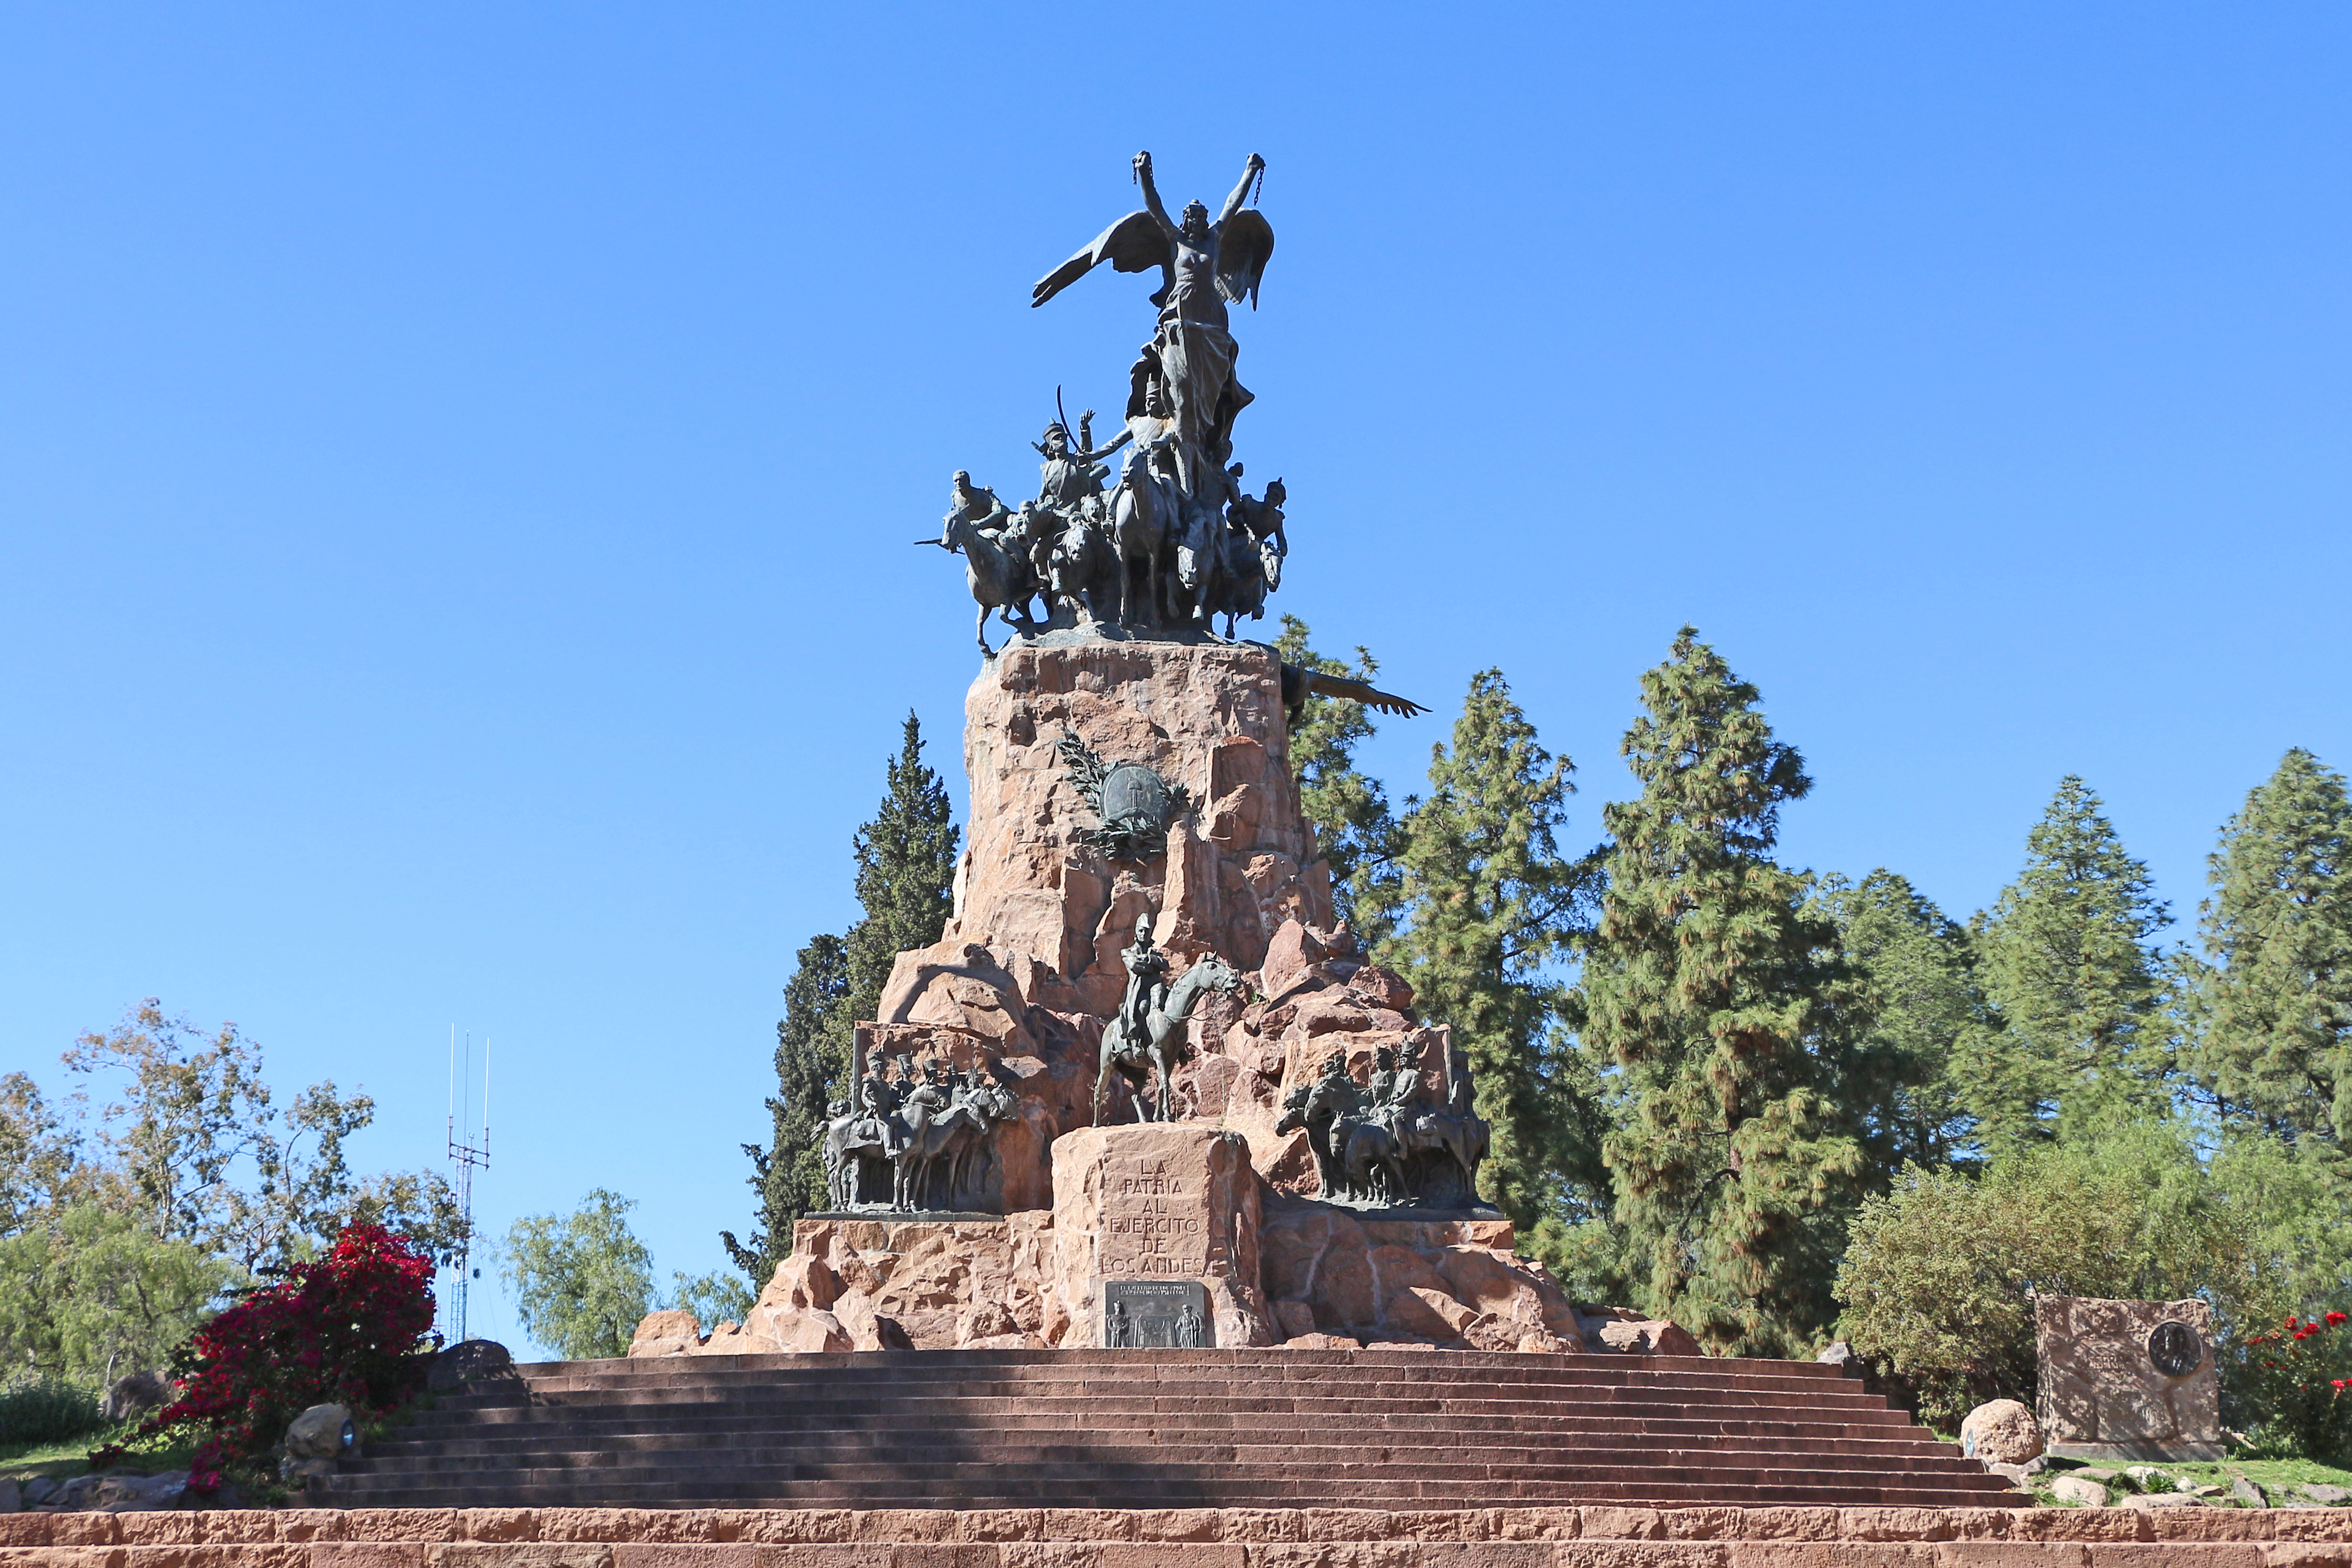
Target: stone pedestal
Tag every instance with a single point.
(1159, 1202)
(1206, 717)
(2128, 1380)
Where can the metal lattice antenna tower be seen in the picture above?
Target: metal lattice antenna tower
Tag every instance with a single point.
(467, 1157)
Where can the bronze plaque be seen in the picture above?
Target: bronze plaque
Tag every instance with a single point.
(1162, 1314)
(2176, 1349)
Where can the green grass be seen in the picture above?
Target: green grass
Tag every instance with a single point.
(2278, 1476)
(70, 1457)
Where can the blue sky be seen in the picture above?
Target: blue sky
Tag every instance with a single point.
(457, 462)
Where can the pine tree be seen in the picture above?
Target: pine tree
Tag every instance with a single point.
(906, 878)
(906, 887)
(1913, 1077)
(2277, 1048)
(1489, 901)
(1350, 811)
(1721, 997)
(2065, 958)
(788, 1175)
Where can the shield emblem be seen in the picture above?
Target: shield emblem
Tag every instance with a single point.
(1131, 791)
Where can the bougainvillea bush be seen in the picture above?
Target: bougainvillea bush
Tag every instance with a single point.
(2296, 1384)
(344, 1328)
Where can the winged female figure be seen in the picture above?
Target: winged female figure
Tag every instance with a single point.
(1203, 267)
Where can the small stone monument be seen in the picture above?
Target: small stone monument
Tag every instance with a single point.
(2128, 1380)
(1156, 1235)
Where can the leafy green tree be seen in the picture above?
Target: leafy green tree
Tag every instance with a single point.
(1911, 1078)
(1489, 901)
(2277, 1046)
(89, 1293)
(906, 888)
(788, 1175)
(2065, 956)
(714, 1298)
(1354, 826)
(582, 1281)
(1720, 994)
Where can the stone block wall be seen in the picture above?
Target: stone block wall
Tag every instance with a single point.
(2104, 1394)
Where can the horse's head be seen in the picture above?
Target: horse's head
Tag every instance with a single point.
(1294, 1109)
(1215, 973)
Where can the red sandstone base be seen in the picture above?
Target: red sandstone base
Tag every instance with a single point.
(1187, 1538)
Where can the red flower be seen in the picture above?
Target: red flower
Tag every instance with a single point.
(2334, 1319)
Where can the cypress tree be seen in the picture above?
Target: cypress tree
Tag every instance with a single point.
(1720, 994)
(788, 1175)
(2065, 956)
(1350, 811)
(905, 889)
(906, 879)
(2277, 1051)
(1914, 1074)
(1489, 901)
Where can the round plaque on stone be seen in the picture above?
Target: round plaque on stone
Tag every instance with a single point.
(2176, 1349)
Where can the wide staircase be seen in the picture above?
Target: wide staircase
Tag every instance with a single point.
(1204, 1428)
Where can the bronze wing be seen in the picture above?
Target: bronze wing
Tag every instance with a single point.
(1134, 244)
(1297, 684)
(1241, 254)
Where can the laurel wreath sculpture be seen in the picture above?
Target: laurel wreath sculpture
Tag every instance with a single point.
(1133, 804)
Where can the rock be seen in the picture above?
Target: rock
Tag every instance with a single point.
(1156, 1201)
(2018, 1475)
(1427, 1314)
(2249, 1492)
(1651, 1336)
(1015, 1341)
(1293, 951)
(1206, 717)
(321, 1432)
(476, 1360)
(2000, 1431)
(2320, 1491)
(815, 1332)
(133, 1395)
(40, 1490)
(2076, 1489)
(11, 1496)
(868, 1329)
(669, 1332)
(984, 1320)
(1323, 1341)
(1492, 1280)
(1543, 1341)
(1292, 1319)
(143, 1494)
(2153, 1499)
(1839, 1354)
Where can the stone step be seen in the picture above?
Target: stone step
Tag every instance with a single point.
(995, 1451)
(1104, 1429)
(881, 1426)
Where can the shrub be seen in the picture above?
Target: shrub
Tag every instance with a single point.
(1939, 1275)
(47, 1410)
(343, 1329)
(2295, 1384)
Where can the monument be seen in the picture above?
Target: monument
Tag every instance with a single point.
(2128, 1380)
(1147, 1092)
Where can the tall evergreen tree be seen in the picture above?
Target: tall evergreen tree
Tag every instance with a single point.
(1722, 998)
(2277, 1049)
(1489, 900)
(1911, 1078)
(788, 1175)
(1353, 824)
(2065, 958)
(906, 888)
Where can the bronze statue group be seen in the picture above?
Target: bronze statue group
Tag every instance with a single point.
(1177, 540)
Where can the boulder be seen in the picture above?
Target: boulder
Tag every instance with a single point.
(1648, 1337)
(1543, 1341)
(1292, 1319)
(133, 1395)
(813, 1333)
(2320, 1491)
(321, 1432)
(1323, 1341)
(2146, 1501)
(2002, 1431)
(669, 1332)
(1156, 1201)
(486, 1361)
(143, 1494)
(2249, 1492)
(1427, 1314)
(11, 1496)
(2077, 1491)
(803, 1281)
